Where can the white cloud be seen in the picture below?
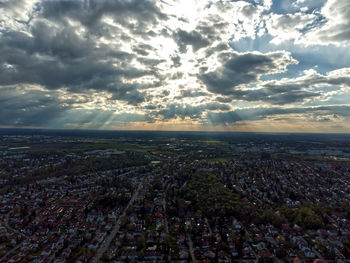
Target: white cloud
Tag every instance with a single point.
(288, 26)
(16, 14)
(336, 30)
(327, 24)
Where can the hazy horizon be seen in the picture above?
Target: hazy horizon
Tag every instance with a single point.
(73, 132)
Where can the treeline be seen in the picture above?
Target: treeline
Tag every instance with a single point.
(93, 164)
(211, 197)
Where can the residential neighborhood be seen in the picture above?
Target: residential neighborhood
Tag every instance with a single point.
(170, 200)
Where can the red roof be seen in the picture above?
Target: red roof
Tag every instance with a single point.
(285, 227)
(158, 214)
(264, 253)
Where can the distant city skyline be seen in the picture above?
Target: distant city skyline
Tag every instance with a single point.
(253, 65)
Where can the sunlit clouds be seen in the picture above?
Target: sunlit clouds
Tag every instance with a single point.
(176, 65)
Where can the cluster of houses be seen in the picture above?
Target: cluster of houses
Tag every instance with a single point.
(143, 235)
(60, 219)
(69, 219)
(291, 182)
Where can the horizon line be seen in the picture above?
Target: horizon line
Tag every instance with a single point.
(186, 131)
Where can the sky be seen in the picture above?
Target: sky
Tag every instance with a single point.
(253, 65)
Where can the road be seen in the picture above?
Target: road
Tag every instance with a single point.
(166, 219)
(164, 208)
(190, 245)
(6, 225)
(209, 228)
(105, 244)
(165, 216)
(2, 259)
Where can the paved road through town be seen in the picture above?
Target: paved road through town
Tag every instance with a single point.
(105, 244)
(190, 245)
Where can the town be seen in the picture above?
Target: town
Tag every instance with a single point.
(174, 198)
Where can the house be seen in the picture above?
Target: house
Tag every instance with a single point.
(66, 252)
(46, 252)
(264, 253)
(108, 226)
(183, 254)
(153, 255)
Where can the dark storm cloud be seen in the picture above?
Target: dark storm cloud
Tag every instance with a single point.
(224, 99)
(192, 93)
(61, 42)
(289, 91)
(193, 38)
(270, 96)
(243, 68)
(20, 107)
(205, 33)
(23, 106)
(128, 93)
(279, 95)
(176, 61)
(141, 51)
(150, 62)
(88, 72)
(150, 107)
(212, 50)
(57, 56)
(133, 14)
(185, 92)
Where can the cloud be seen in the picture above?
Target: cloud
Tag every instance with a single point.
(288, 26)
(134, 15)
(193, 38)
(314, 24)
(99, 119)
(287, 91)
(32, 106)
(102, 63)
(20, 106)
(239, 69)
(16, 14)
(192, 93)
(255, 114)
(61, 57)
(182, 111)
(336, 30)
(309, 5)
